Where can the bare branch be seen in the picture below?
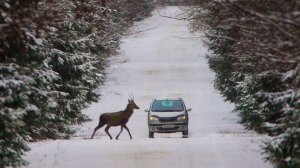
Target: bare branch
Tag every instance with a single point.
(265, 18)
(220, 36)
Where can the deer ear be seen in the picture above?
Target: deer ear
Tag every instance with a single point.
(129, 101)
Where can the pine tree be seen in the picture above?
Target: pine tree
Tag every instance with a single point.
(52, 57)
(17, 58)
(255, 54)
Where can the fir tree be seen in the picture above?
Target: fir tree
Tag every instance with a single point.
(255, 54)
(52, 57)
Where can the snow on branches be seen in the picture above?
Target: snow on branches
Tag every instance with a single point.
(52, 58)
(255, 53)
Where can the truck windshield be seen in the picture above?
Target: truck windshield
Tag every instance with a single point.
(167, 105)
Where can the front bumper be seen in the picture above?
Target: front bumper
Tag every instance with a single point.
(168, 128)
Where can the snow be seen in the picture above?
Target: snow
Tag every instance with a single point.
(38, 41)
(48, 75)
(154, 64)
(288, 75)
(32, 107)
(52, 104)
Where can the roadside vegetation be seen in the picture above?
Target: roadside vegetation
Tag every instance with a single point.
(52, 58)
(255, 53)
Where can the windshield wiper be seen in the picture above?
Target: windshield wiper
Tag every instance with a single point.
(165, 110)
(160, 110)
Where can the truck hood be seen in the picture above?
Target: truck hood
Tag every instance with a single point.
(167, 114)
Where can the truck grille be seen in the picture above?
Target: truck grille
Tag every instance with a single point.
(168, 119)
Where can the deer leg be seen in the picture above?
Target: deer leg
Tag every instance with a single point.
(117, 137)
(127, 131)
(96, 129)
(106, 130)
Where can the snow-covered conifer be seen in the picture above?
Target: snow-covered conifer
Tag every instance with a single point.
(52, 58)
(255, 54)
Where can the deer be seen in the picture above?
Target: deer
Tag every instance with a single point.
(117, 119)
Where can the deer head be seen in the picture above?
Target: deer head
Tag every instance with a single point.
(131, 102)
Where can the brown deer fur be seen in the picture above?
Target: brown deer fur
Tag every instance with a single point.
(116, 119)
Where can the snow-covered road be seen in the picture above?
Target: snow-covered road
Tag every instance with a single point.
(161, 62)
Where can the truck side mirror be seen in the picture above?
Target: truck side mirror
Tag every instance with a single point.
(189, 109)
(147, 110)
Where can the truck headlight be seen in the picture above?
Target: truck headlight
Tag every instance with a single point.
(182, 118)
(153, 119)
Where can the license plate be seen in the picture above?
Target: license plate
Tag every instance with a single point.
(168, 126)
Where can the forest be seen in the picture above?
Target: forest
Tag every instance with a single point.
(255, 53)
(52, 58)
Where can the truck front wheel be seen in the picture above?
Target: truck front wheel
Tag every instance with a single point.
(151, 134)
(185, 134)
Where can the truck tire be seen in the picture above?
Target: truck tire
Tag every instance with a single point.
(151, 134)
(185, 134)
